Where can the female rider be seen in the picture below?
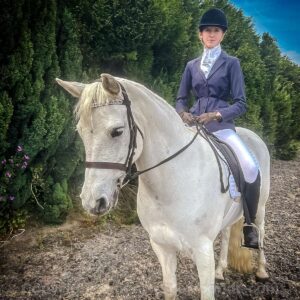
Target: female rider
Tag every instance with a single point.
(215, 78)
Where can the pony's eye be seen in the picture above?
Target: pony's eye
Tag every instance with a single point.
(116, 132)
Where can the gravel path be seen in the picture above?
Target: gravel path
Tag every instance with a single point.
(81, 260)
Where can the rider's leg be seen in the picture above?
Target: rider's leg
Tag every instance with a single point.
(251, 173)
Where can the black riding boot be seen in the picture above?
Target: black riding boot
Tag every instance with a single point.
(251, 198)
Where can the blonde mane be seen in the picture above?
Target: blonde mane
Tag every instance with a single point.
(94, 95)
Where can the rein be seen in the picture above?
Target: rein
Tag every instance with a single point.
(137, 173)
(133, 128)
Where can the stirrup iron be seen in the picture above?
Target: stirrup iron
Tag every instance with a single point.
(258, 236)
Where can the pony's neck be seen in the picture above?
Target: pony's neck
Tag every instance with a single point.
(164, 132)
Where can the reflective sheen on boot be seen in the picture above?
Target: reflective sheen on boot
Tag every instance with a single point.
(250, 237)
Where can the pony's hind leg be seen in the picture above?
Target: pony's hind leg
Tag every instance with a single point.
(261, 273)
(222, 263)
(168, 261)
(204, 259)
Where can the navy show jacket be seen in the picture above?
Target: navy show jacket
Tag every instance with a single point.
(225, 82)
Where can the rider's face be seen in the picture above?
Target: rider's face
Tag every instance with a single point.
(211, 36)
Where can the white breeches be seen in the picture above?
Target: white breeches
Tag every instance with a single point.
(246, 159)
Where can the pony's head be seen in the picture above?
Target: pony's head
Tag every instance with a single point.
(104, 129)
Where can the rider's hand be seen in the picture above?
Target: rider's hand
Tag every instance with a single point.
(187, 118)
(208, 117)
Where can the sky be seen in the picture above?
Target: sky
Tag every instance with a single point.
(280, 18)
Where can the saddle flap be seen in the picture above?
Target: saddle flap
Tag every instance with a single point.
(231, 160)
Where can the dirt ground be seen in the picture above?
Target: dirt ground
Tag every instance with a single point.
(83, 260)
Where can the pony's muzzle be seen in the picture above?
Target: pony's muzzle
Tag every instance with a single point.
(101, 206)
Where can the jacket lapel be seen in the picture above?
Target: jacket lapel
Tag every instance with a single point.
(198, 67)
(219, 62)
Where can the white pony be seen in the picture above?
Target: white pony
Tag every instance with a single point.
(179, 203)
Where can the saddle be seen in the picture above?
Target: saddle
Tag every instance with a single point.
(228, 156)
(231, 161)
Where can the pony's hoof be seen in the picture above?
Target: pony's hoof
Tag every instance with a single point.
(219, 277)
(262, 279)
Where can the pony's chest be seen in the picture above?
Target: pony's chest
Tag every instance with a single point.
(169, 237)
(164, 231)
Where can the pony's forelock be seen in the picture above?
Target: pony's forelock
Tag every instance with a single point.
(93, 95)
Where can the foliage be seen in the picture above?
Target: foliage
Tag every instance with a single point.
(146, 41)
(57, 204)
(10, 169)
(6, 111)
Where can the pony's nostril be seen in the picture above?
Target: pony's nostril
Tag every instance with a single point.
(101, 205)
(119, 183)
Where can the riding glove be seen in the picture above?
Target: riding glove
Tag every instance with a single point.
(187, 118)
(208, 117)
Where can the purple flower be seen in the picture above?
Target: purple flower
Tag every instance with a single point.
(8, 174)
(11, 198)
(11, 160)
(19, 149)
(25, 164)
(26, 157)
(3, 161)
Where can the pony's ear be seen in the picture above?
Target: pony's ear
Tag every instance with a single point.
(110, 84)
(73, 87)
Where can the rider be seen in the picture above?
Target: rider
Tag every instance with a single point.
(215, 78)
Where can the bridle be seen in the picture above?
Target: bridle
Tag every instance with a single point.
(127, 165)
(133, 128)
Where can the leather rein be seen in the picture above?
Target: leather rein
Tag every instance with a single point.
(133, 128)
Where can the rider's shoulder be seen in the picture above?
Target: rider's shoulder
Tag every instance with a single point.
(194, 61)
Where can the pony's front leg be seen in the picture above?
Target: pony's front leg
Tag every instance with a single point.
(222, 263)
(204, 259)
(168, 261)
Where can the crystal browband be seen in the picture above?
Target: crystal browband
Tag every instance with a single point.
(113, 102)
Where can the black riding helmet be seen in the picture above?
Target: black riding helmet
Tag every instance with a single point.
(213, 17)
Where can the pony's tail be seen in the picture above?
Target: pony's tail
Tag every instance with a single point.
(239, 258)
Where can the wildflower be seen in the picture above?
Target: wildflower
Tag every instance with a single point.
(25, 164)
(8, 174)
(19, 149)
(11, 161)
(11, 198)
(3, 162)
(26, 157)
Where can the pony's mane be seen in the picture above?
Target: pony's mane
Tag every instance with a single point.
(161, 102)
(94, 95)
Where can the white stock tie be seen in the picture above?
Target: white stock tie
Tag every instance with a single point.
(209, 58)
(207, 64)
